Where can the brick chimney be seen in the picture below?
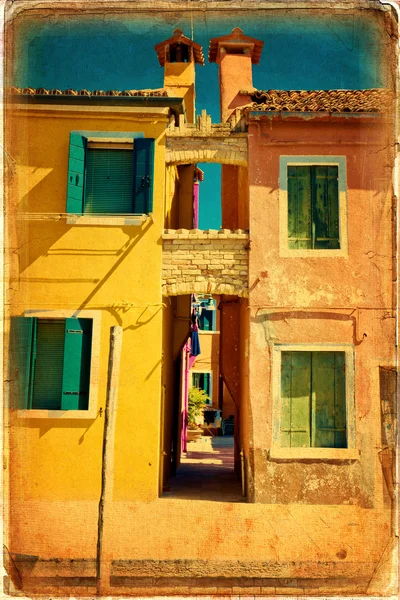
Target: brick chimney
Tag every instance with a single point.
(235, 53)
(178, 55)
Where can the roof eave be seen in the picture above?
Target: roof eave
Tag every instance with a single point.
(175, 104)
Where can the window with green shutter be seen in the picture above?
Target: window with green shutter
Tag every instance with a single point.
(313, 399)
(110, 178)
(313, 207)
(202, 381)
(208, 315)
(50, 363)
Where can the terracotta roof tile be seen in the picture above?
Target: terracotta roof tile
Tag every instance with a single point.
(371, 100)
(70, 92)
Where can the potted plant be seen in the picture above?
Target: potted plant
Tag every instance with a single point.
(196, 400)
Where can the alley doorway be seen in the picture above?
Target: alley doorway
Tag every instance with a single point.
(206, 461)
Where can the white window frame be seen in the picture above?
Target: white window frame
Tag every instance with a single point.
(91, 412)
(308, 161)
(349, 453)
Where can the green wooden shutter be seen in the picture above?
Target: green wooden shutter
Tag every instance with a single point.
(76, 372)
(325, 197)
(299, 207)
(340, 400)
(329, 399)
(108, 186)
(143, 175)
(286, 399)
(20, 361)
(47, 384)
(295, 399)
(206, 383)
(76, 173)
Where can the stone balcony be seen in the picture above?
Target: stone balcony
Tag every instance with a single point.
(211, 261)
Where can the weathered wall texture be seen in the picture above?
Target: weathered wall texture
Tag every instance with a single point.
(213, 262)
(322, 300)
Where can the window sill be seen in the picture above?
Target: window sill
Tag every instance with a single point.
(108, 220)
(56, 414)
(326, 454)
(201, 332)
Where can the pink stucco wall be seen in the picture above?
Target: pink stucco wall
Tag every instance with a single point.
(313, 300)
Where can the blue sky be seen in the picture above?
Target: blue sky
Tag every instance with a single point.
(300, 52)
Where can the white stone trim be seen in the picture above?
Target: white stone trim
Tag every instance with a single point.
(349, 453)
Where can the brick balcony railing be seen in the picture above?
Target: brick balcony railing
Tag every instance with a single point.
(211, 261)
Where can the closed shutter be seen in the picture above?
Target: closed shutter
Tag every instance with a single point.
(76, 371)
(20, 361)
(325, 206)
(206, 383)
(47, 384)
(76, 173)
(299, 207)
(329, 399)
(206, 320)
(295, 399)
(143, 175)
(108, 187)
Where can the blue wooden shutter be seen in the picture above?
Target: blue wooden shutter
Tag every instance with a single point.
(299, 207)
(108, 184)
(329, 399)
(295, 399)
(76, 371)
(47, 381)
(21, 361)
(143, 175)
(76, 173)
(206, 320)
(325, 194)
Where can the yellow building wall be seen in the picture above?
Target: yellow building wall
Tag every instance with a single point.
(179, 82)
(111, 269)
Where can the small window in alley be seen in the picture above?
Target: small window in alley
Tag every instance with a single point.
(51, 363)
(202, 381)
(313, 207)
(313, 399)
(207, 312)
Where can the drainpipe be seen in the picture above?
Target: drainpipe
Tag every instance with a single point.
(388, 473)
(396, 184)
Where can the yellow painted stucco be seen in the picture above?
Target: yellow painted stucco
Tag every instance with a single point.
(113, 270)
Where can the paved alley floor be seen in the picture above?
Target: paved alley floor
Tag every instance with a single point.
(206, 472)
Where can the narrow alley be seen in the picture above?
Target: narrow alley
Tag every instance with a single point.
(206, 472)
